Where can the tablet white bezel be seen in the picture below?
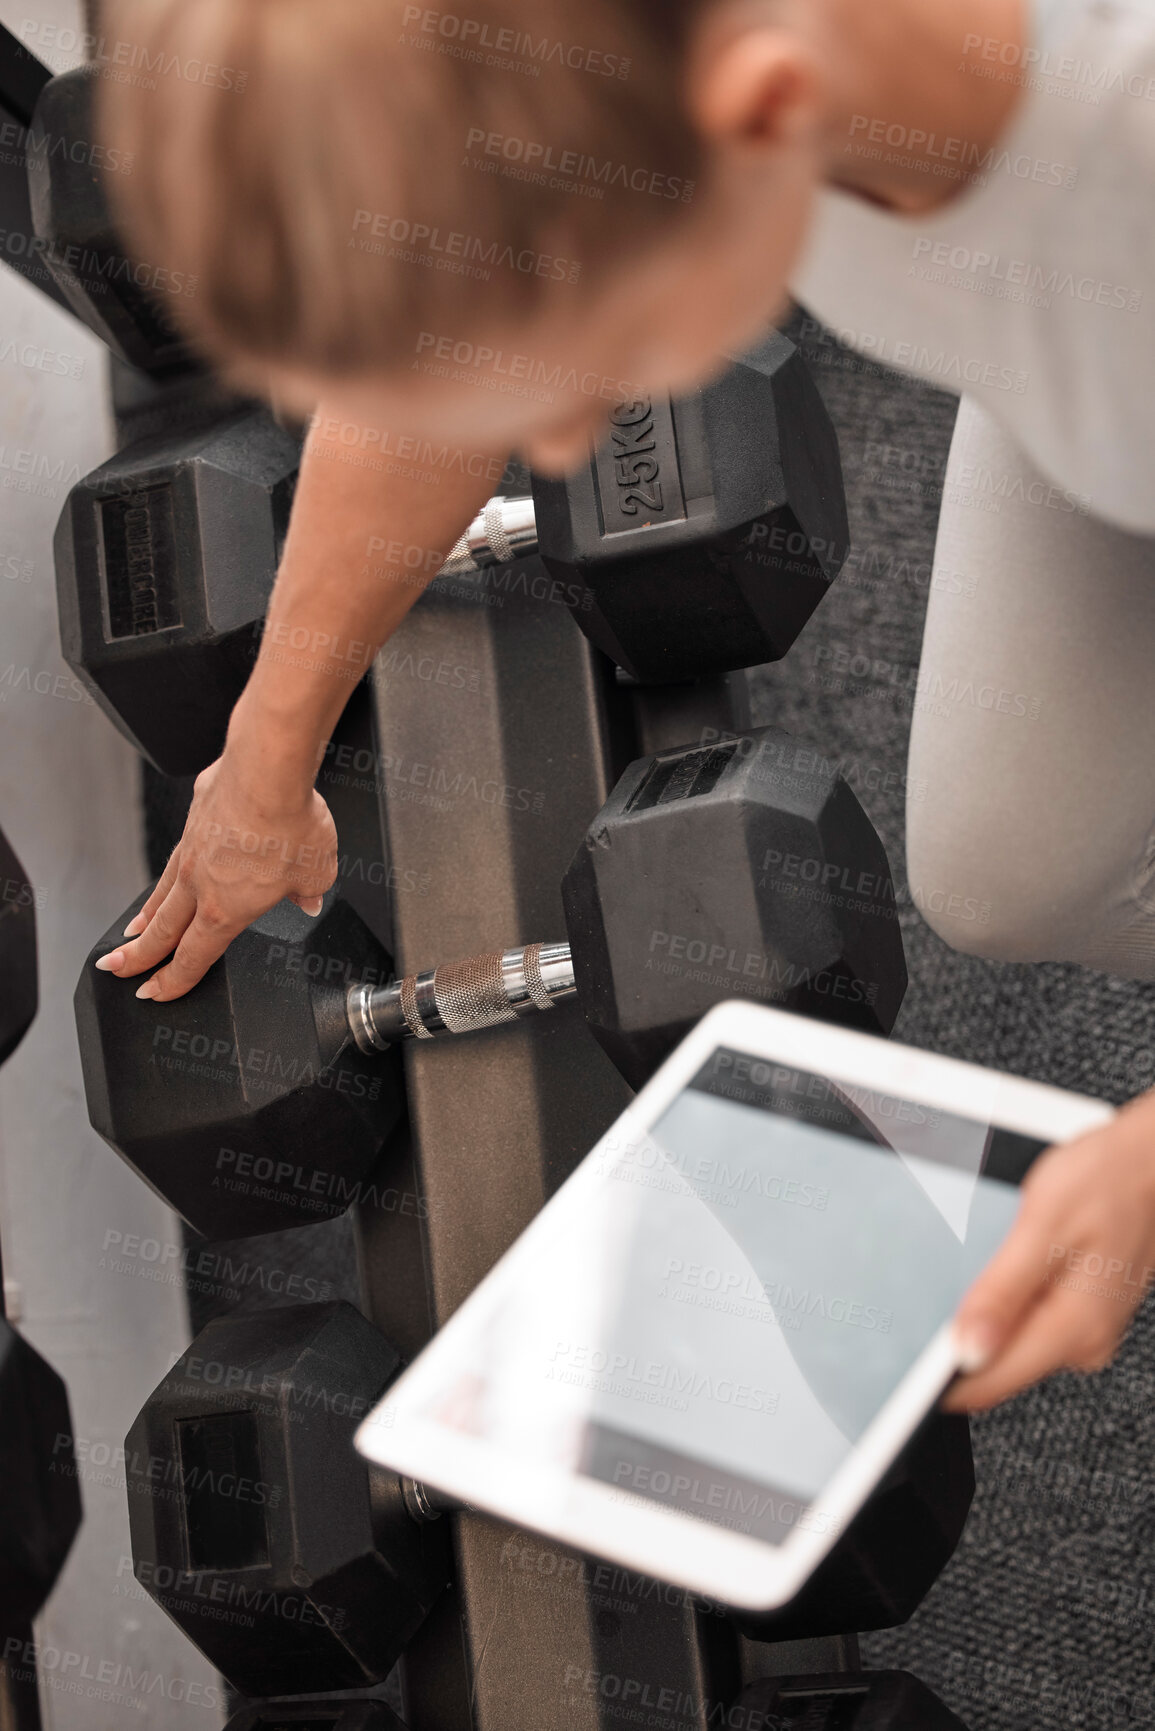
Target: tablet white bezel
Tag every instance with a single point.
(625, 1528)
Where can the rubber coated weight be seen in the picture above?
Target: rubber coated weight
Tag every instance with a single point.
(704, 534)
(245, 1104)
(863, 1701)
(126, 302)
(40, 1503)
(245, 1492)
(165, 560)
(18, 973)
(745, 869)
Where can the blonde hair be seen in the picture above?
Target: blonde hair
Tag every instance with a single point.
(337, 177)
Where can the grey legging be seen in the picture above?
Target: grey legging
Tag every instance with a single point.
(1033, 753)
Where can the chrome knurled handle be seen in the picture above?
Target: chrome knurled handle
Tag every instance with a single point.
(462, 997)
(505, 530)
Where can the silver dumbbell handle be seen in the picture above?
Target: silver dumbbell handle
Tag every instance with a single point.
(462, 997)
(504, 531)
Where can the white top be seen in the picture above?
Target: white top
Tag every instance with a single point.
(1033, 291)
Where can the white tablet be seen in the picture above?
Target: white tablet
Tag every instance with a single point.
(712, 1343)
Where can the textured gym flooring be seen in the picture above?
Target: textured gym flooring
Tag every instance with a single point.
(1044, 1619)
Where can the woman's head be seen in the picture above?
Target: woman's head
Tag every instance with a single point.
(373, 196)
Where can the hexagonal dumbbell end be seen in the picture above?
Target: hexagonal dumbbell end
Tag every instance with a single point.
(246, 1105)
(293, 1566)
(18, 972)
(40, 1505)
(745, 869)
(323, 1715)
(126, 303)
(707, 530)
(165, 560)
(895, 1548)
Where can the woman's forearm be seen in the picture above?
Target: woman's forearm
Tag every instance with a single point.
(362, 547)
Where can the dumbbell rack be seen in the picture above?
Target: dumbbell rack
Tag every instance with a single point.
(473, 799)
(498, 1122)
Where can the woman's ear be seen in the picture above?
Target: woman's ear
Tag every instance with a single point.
(755, 88)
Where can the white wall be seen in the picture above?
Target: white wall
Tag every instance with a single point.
(69, 805)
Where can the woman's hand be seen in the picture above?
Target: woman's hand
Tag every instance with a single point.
(1062, 1290)
(244, 849)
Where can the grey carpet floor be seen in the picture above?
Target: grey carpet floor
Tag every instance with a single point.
(1045, 1618)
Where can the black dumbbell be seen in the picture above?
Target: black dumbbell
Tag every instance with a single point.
(126, 302)
(862, 1701)
(40, 1506)
(294, 1566)
(165, 559)
(166, 555)
(256, 1102)
(18, 975)
(709, 874)
(316, 1716)
(707, 529)
(702, 536)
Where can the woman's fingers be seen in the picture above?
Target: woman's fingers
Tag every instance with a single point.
(1065, 1331)
(203, 943)
(1007, 1289)
(1026, 1316)
(165, 930)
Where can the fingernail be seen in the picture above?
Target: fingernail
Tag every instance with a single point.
(150, 989)
(977, 1343)
(313, 907)
(112, 962)
(134, 927)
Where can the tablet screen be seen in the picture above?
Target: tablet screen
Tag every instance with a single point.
(717, 1320)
